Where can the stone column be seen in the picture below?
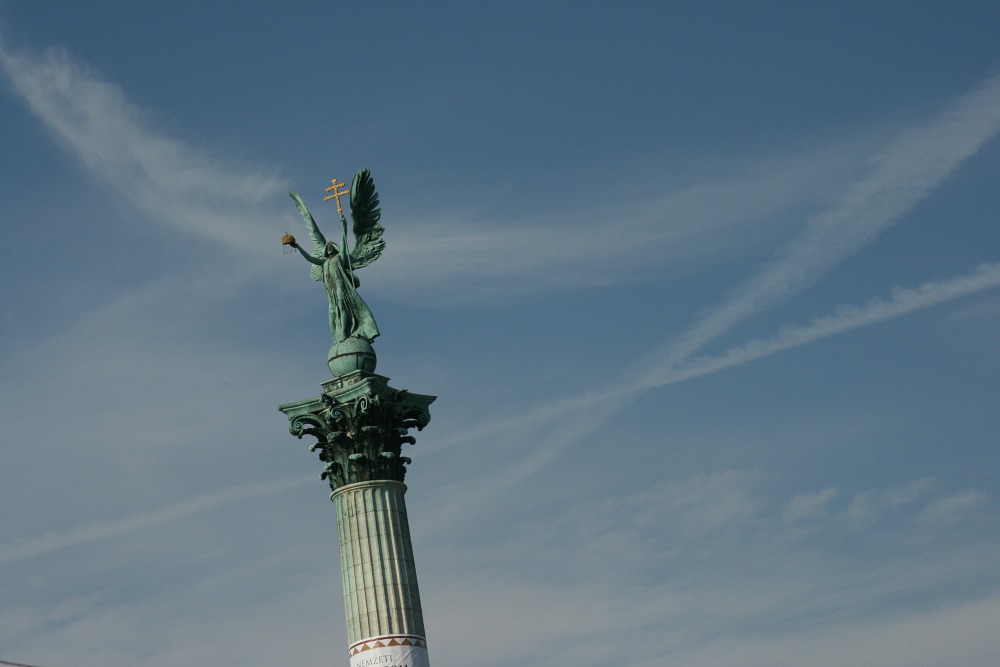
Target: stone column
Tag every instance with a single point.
(385, 625)
(361, 424)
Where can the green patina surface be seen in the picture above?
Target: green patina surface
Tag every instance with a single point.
(360, 424)
(335, 265)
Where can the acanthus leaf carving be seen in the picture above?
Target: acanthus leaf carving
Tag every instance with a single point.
(360, 429)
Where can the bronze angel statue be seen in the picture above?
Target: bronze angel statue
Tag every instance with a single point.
(350, 316)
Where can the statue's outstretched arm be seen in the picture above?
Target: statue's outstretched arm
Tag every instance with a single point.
(309, 258)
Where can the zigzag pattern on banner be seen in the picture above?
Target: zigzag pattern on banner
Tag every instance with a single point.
(391, 640)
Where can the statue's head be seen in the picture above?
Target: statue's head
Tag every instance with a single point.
(331, 249)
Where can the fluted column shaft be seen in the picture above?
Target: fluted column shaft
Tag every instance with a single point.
(385, 625)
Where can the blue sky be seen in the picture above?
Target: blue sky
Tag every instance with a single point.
(709, 294)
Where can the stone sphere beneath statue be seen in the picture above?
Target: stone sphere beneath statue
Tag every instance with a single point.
(351, 354)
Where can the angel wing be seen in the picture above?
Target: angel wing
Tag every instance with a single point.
(319, 242)
(365, 211)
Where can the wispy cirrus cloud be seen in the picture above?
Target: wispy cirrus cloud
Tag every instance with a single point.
(188, 191)
(897, 177)
(809, 505)
(460, 258)
(952, 509)
(549, 429)
(35, 546)
(177, 185)
(770, 582)
(624, 235)
(902, 301)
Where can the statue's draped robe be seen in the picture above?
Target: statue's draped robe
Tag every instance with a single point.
(349, 314)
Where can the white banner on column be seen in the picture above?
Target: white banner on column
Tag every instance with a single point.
(390, 651)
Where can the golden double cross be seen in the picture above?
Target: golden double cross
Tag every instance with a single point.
(337, 194)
